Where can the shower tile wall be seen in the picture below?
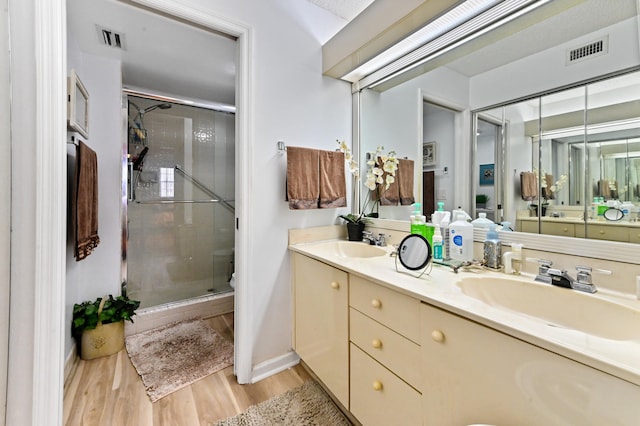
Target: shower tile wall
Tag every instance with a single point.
(178, 251)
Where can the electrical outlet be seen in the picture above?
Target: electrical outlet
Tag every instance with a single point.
(441, 194)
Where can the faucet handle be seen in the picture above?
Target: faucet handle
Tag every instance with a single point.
(584, 273)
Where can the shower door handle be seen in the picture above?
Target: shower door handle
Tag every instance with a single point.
(130, 189)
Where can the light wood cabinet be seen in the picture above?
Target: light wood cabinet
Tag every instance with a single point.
(385, 356)
(562, 229)
(321, 322)
(391, 359)
(379, 397)
(474, 374)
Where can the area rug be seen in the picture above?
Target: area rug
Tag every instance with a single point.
(173, 356)
(305, 405)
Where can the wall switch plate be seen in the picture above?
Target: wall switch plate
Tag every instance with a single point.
(441, 194)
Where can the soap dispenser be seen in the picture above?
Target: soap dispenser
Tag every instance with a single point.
(492, 249)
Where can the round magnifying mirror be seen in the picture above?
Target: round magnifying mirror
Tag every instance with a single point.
(414, 252)
(613, 214)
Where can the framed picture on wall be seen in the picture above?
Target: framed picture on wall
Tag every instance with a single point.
(78, 105)
(486, 174)
(428, 154)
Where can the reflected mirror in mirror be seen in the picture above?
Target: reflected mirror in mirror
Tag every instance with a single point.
(558, 160)
(414, 252)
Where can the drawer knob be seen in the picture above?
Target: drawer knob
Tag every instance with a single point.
(565, 229)
(376, 303)
(437, 336)
(335, 285)
(601, 232)
(377, 385)
(376, 343)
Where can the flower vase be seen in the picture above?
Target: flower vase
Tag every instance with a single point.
(355, 230)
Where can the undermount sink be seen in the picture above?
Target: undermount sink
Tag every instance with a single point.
(559, 307)
(352, 249)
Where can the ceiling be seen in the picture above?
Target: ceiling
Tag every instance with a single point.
(175, 59)
(166, 57)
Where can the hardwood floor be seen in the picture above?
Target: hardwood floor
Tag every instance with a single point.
(109, 392)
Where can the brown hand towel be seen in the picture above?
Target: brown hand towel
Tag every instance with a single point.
(86, 202)
(528, 186)
(404, 176)
(333, 187)
(303, 173)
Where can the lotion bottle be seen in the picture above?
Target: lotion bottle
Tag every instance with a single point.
(437, 244)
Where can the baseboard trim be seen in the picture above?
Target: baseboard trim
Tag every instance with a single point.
(273, 366)
(71, 364)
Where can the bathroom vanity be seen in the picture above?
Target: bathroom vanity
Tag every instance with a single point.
(396, 349)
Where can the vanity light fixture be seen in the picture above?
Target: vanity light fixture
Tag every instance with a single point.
(486, 21)
(441, 25)
(577, 130)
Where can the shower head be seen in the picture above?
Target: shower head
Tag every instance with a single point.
(165, 105)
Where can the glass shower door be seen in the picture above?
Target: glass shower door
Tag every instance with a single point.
(180, 209)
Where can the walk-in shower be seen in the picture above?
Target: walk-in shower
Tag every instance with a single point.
(180, 181)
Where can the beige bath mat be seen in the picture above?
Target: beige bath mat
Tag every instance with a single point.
(175, 355)
(305, 405)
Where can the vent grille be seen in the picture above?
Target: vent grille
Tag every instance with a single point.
(110, 38)
(593, 49)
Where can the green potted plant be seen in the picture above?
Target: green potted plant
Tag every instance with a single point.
(98, 326)
(355, 225)
(481, 201)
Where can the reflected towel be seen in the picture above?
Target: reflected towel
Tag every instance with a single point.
(86, 202)
(333, 187)
(303, 172)
(404, 176)
(391, 195)
(528, 186)
(604, 189)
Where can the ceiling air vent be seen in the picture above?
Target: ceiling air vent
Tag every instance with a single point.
(110, 38)
(593, 49)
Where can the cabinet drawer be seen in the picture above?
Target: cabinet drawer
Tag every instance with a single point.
(397, 311)
(634, 234)
(562, 229)
(378, 397)
(607, 232)
(397, 353)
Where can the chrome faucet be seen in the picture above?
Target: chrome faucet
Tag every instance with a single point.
(581, 283)
(381, 240)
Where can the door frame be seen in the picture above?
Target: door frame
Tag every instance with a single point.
(50, 257)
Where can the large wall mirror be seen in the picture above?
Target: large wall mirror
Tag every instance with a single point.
(569, 155)
(515, 100)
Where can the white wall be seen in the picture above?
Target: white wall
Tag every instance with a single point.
(292, 102)
(98, 274)
(393, 119)
(547, 70)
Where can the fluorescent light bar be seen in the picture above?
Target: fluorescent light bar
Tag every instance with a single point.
(456, 16)
(496, 16)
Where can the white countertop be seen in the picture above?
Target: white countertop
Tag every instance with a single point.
(620, 358)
